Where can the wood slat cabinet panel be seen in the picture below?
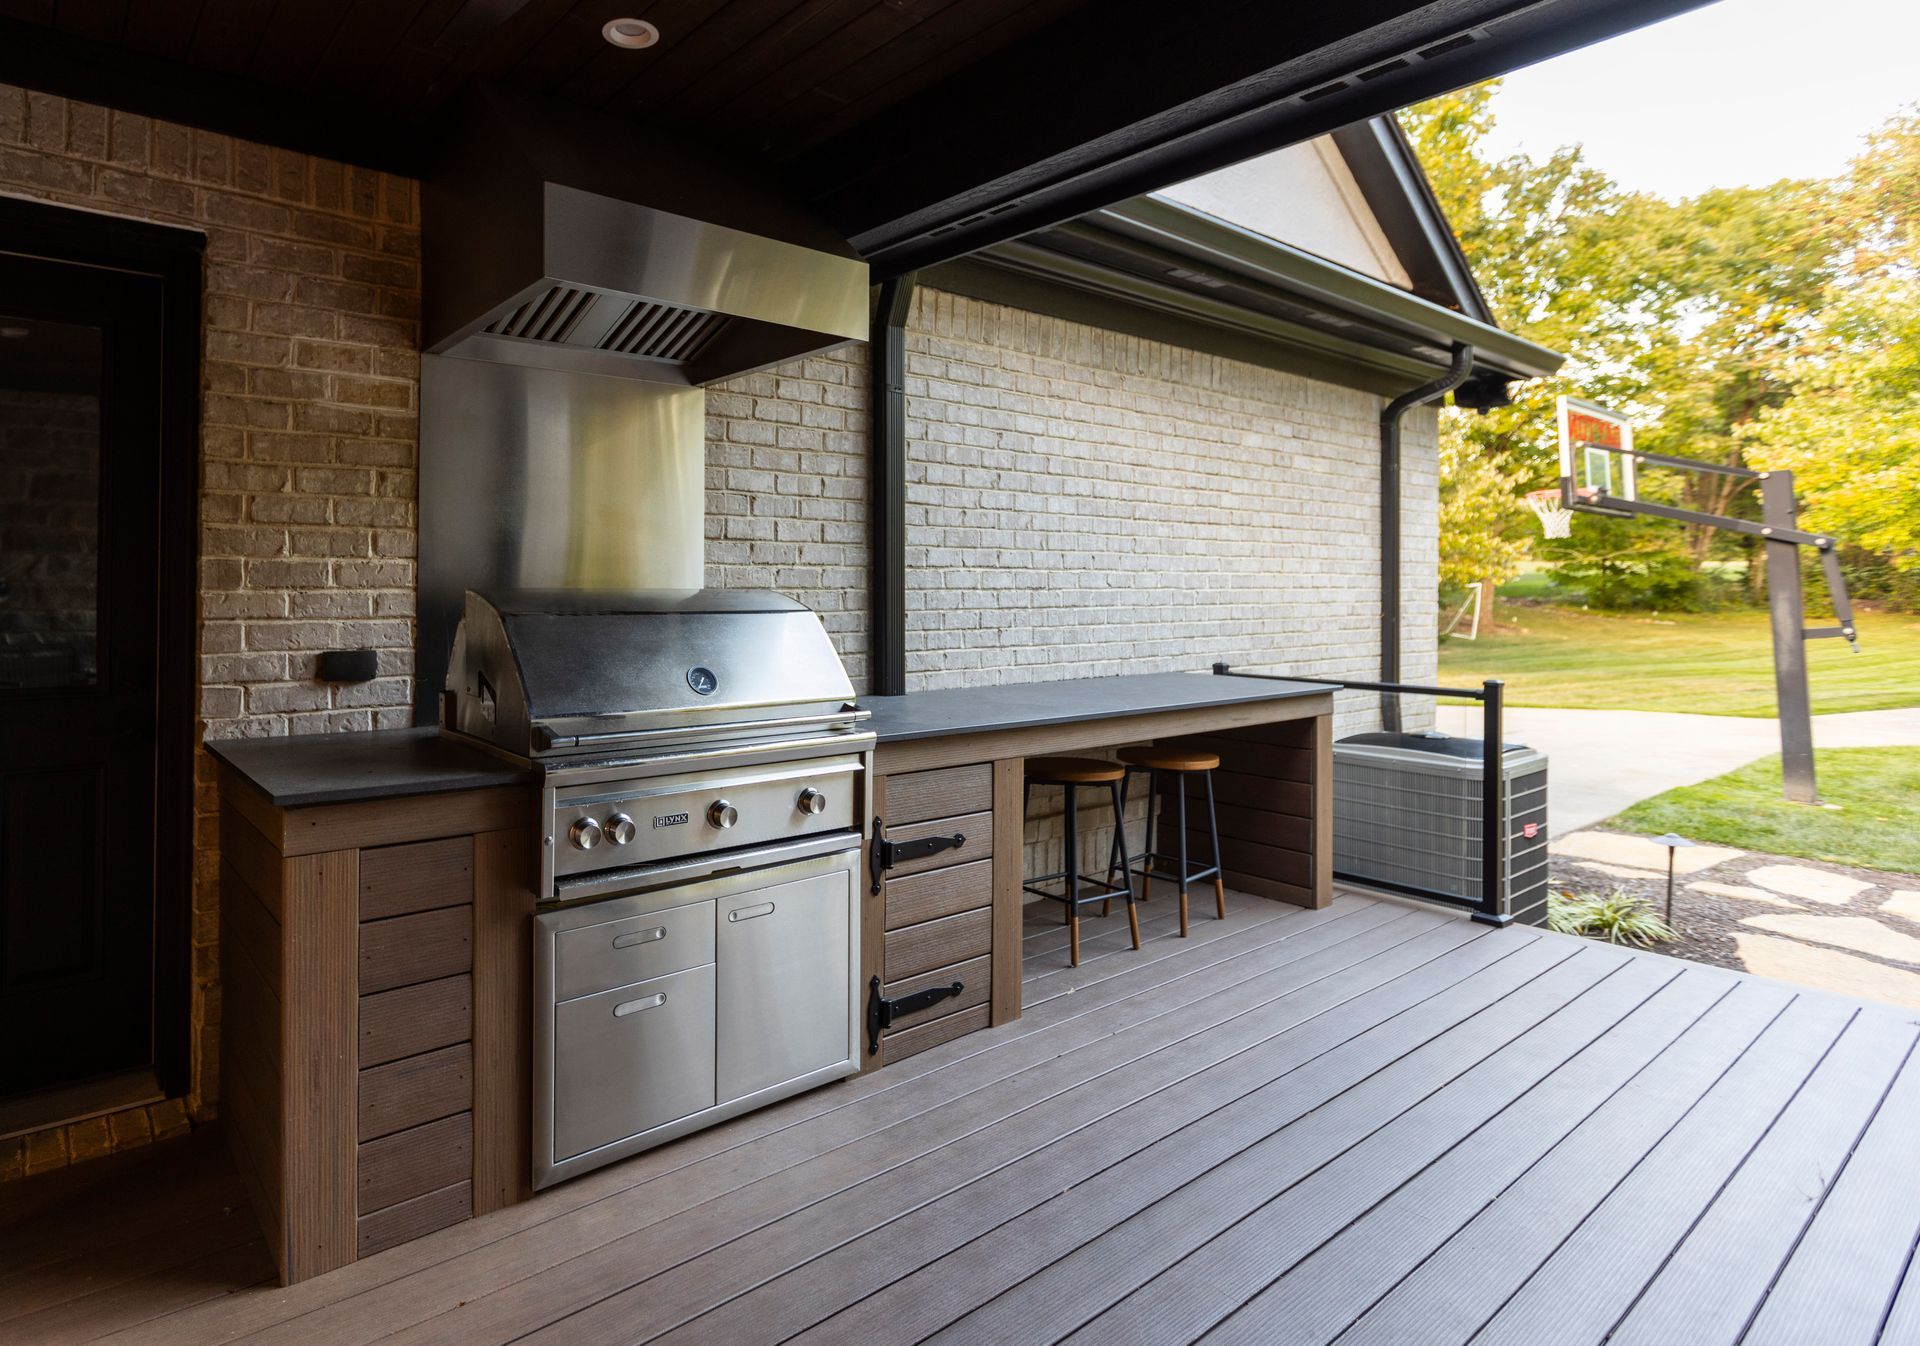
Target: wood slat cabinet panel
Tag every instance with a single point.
(408, 949)
(419, 1089)
(977, 828)
(414, 1219)
(899, 1046)
(949, 792)
(420, 876)
(414, 1162)
(939, 892)
(415, 1019)
(931, 944)
(975, 976)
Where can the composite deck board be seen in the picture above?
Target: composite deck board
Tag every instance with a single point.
(1379, 1069)
(1458, 1285)
(1593, 1036)
(896, 1244)
(1845, 1272)
(981, 1239)
(1370, 1122)
(1593, 1278)
(989, 1126)
(1709, 1287)
(1322, 1293)
(1101, 1276)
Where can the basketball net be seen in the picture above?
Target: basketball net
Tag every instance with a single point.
(1556, 520)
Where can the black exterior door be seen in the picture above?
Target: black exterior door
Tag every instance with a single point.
(81, 417)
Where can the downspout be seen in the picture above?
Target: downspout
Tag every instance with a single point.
(1390, 418)
(888, 560)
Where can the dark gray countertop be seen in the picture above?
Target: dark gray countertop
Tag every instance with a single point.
(1027, 705)
(308, 769)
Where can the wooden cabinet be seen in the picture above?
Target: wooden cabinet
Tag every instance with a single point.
(373, 978)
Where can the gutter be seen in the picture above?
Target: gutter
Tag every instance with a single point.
(1390, 418)
(887, 673)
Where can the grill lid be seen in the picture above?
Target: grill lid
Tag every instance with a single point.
(536, 673)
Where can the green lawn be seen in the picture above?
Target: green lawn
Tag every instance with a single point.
(1710, 663)
(1876, 826)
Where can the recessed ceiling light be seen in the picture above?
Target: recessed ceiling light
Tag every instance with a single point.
(12, 333)
(633, 33)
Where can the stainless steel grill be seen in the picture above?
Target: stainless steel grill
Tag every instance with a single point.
(703, 785)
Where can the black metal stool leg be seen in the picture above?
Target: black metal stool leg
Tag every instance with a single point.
(1146, 856)
(1133, 911)
(1219, 870)
(1180, 781)
(1073, 876)
(1117, 853)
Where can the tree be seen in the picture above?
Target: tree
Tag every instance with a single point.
(1851, 433)
(1686, 315)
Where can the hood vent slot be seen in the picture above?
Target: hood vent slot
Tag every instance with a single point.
(551, 317)
(664, 331)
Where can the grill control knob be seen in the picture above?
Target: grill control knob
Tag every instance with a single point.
(812, 801)
(722, 814)
(585, 834)
(619, 829)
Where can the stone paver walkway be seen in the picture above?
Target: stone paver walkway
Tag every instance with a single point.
(1852, 931)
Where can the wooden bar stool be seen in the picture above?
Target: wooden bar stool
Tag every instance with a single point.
(1071, 774)
(1177, 763)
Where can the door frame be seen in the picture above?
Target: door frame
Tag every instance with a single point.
(176, 257)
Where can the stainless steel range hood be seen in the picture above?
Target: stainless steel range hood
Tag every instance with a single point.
(568, 241)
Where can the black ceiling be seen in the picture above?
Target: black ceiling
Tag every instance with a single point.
(922, 128)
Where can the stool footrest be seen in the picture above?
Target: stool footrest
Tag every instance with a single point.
(1171, 875)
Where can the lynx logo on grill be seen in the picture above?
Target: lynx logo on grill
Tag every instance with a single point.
(669, 819)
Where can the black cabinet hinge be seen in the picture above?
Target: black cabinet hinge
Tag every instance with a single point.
(881, 1012)
(883, 855)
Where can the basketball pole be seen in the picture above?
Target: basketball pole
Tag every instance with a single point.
(1786, 608)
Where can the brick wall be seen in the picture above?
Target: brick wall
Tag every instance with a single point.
(1083, 503)
(309, 381)
(787, 489)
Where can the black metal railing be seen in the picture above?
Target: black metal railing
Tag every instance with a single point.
(1491, 905)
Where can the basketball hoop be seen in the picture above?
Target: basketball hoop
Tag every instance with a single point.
(1556, 520)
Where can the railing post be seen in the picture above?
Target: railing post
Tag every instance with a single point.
(1493, 797)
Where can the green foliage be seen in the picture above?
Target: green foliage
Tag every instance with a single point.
(1617, 917)
(1770, 326)
(1875, 824)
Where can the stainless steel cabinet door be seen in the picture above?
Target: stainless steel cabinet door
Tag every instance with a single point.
(631, 1059)
(783, 954)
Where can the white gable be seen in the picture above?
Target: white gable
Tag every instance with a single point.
(1303, 196)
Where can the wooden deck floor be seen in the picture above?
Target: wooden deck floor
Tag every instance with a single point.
(1369, 1124)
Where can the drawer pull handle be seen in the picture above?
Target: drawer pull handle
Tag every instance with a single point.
(748, 913)
(627, 1007)
(633, 937)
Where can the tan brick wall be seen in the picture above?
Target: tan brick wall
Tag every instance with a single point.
(787, 490)
(310, 387)
(1083, 503)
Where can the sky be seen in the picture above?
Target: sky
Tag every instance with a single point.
(1739, 93)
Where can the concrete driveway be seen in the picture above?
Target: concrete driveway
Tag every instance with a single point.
(1601, 761)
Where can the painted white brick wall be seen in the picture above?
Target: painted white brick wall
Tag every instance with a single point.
(1083, 503)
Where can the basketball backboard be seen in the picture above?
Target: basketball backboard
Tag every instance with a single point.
(1596, 454)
